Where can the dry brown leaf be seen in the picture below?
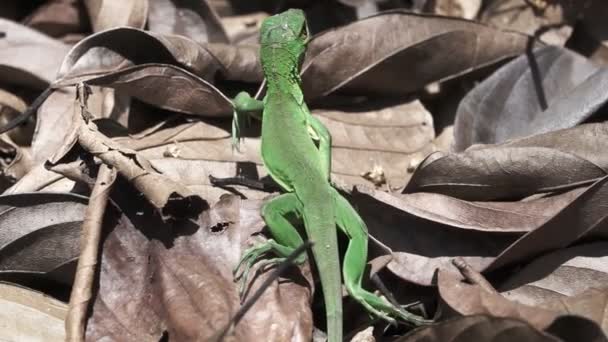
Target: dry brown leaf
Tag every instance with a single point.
(39, 236)
(178, 278)
(478, 328)
(113, 50)
(109, 14)
(425, 231)
(28, 315)
(547, 162)
(367, 56)
(193, 19)
(552, 20)
(20, 52)
(58, 18)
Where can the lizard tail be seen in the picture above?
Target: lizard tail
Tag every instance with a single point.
(321, 229)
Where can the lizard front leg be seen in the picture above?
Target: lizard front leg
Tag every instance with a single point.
(244, 107)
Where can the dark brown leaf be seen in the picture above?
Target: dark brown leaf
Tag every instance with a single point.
(58, 18)
(178, 278)
(367, 56)
(543, 163)
(551, 20)
(552, 89)
(116, 49)
(39, 234)
(106, 15)
(30, 315)
(478, 328)
(168, 87)
(425, 231)
(190, 18)
(20, 51)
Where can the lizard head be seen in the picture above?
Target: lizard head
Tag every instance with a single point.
(284, 33)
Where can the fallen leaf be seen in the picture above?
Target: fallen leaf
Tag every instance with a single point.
(367, 56)
(553, 161)
(28, 315)
(425, 231)
(20, 52)
(58, 18)
(193, 19)
(552, 21)
(178, 277)
(40, 234)
(110, 51)
(478, 328)
(106, 15)
(532, 94)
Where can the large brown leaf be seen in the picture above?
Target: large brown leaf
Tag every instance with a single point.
(58, 18)
(552, 21)
(553, 88)
(113, 50)
(20, 51)
(28, 315)
(425, 231)
(39, 235)
(467, 299)
(106, 15)
(368, 56)
(178, 277)
(579, 216)
(194, 19)
(478, 328)
(546, 162)
(553, 278)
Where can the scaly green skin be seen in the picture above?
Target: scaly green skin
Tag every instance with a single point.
(296, 149)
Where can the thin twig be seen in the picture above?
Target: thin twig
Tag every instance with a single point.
(82, 289)
(29, 111)
(472, 276)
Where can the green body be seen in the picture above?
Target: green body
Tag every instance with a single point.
(296, 149)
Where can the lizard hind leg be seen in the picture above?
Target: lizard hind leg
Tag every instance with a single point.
(285, 237)
(355, 261)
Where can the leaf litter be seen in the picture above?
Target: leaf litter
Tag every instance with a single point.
(515, 192)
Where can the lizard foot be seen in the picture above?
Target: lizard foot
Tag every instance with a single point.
(253, 255)
(381, 308)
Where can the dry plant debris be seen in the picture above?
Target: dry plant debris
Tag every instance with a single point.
(468, 134)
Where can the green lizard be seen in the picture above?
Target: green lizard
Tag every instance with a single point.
(296, 150)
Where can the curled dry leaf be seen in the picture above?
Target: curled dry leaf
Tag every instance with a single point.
(551, 20)
(535, 93)
(543, 163)
(58, 18)
(551, 280)
(193, 19)
(466, 299)
(572, 217)
(425, 231)
(478, 328)
(113, 50)
(20, 51)
(40, 235)
(367, 56)
(28, 315)
(189, 152)
(178, 277)
(171, 198)
(168, 87)
(105, 15)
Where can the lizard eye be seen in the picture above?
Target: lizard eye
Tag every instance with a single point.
(304, 32)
